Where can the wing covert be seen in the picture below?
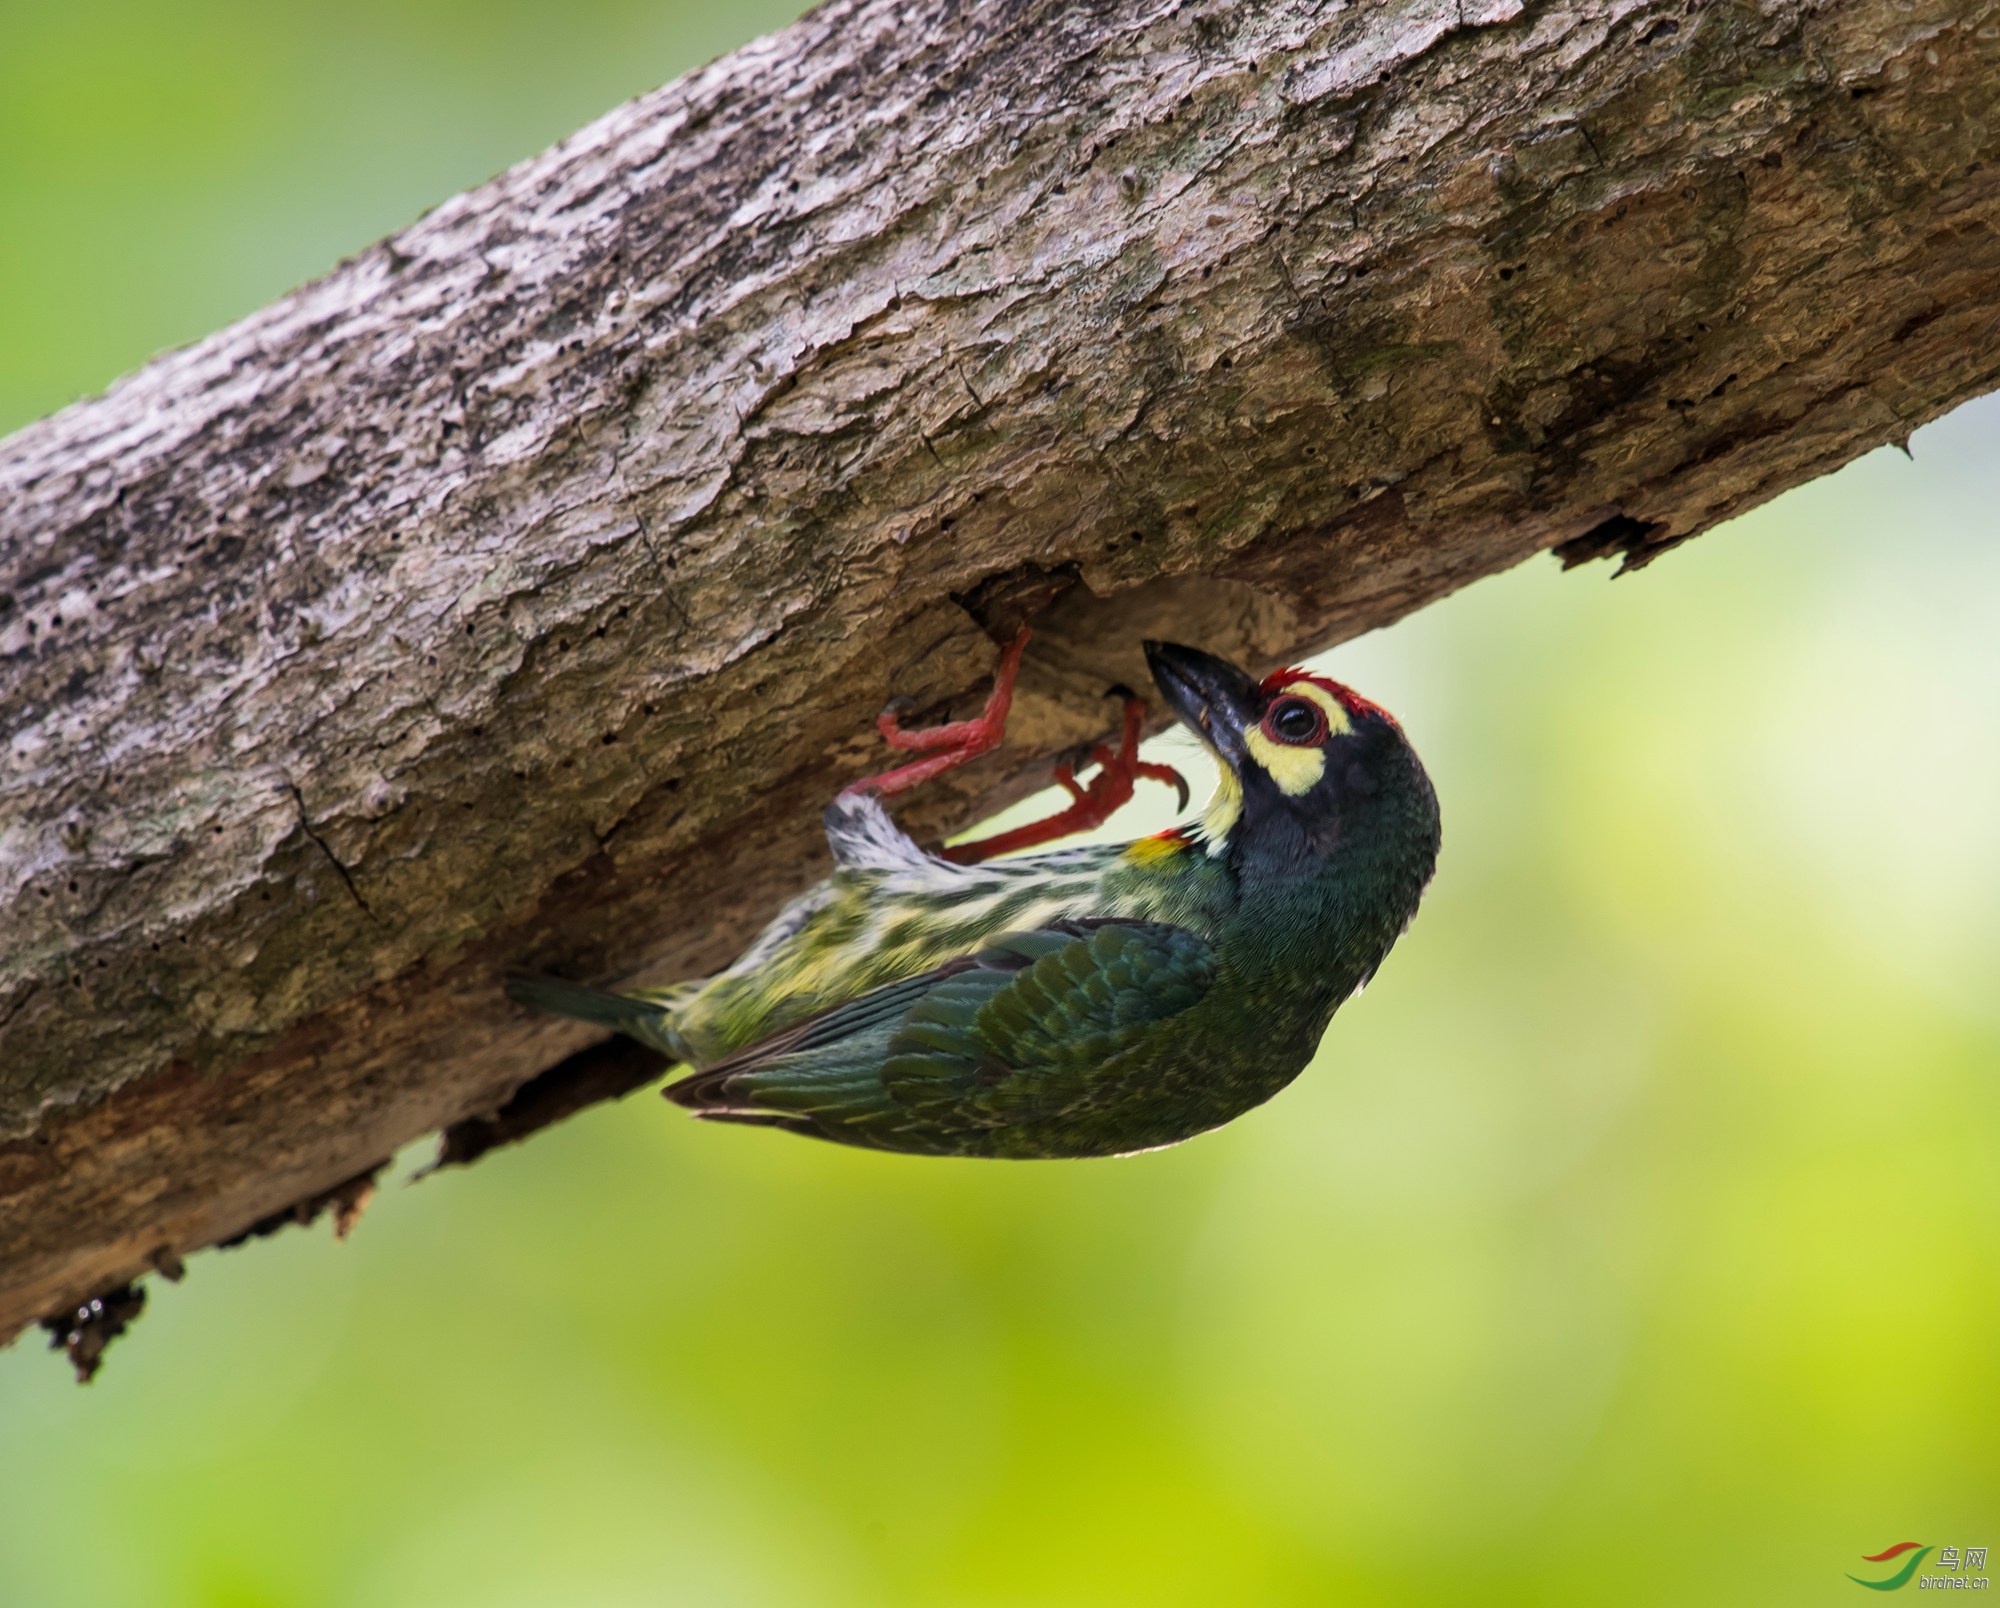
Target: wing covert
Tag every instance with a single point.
(1013, 1029)
(1038, 1011)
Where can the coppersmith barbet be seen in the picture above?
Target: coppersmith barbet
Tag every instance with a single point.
(1082, 1002)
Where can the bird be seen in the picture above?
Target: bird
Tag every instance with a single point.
(1094, 1000)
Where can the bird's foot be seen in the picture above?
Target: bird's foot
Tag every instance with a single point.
(948, 746)
(1092, 804)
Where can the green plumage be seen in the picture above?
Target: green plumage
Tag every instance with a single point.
(1084, 1002)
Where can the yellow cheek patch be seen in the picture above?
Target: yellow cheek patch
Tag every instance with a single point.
(1152, 852)
(1295, 770)
(1299, 770)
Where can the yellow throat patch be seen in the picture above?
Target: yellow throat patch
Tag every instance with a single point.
(1225, 809)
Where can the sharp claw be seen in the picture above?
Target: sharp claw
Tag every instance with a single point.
(899, 705)
(1166, 775)
(1120, 691)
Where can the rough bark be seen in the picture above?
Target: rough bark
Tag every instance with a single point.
(515, 594)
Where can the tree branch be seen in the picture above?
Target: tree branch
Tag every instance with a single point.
(515, 594)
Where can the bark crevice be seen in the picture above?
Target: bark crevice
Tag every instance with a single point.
(346, 876)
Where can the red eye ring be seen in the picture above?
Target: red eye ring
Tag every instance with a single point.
(1282, 723)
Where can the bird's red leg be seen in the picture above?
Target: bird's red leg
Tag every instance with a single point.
(1065, 775)
(1090, 805)
(950, 745)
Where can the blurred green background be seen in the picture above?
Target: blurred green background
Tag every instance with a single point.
(1634, 1239)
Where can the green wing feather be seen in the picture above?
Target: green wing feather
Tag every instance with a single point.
(1017, 1033)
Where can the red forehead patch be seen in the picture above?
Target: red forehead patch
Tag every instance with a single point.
(1351, 700)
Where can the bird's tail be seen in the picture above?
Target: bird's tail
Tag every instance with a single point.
(645, 1018)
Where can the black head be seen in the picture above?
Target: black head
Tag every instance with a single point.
(1306, 762)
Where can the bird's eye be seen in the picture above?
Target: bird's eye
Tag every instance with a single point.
(1297, 721)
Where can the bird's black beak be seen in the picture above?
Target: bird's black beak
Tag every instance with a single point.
(1211, 695)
